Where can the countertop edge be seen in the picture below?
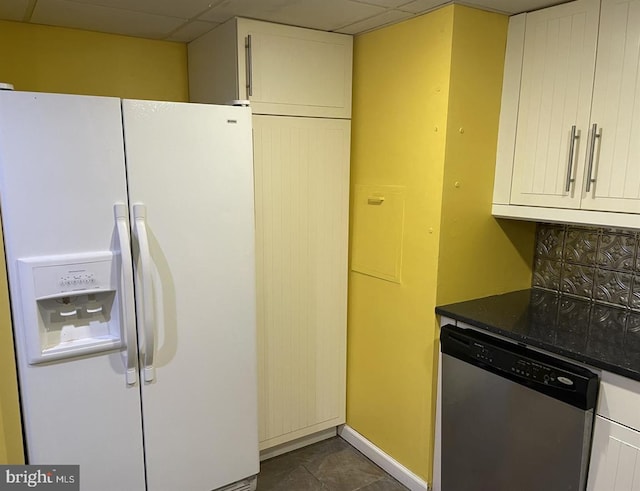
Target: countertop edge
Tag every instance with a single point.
(524, 340)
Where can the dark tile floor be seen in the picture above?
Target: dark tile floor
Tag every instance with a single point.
(330, 465)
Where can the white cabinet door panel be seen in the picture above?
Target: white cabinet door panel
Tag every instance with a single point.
(291, 71)
(557, 80)
(294, 71)
(302, 213)
(615, 458)
(616, 110)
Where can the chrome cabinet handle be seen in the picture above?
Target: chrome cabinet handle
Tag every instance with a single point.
(572, 146)
(592, 147)
(249, 67)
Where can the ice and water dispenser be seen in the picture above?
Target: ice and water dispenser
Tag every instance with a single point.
(70, 305)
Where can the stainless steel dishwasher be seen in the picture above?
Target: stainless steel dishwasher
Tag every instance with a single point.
(513, 419)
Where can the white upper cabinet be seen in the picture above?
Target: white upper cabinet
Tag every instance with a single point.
(555, 95)
(282, 70)
(568, 146)
(615, 113)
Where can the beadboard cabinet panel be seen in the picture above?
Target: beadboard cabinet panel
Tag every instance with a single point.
(615, 452)
(302, 206)
(555, 97)
(615, 457)
(616, 110)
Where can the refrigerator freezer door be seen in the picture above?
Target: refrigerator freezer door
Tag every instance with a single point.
(191, 166)
(61, 171)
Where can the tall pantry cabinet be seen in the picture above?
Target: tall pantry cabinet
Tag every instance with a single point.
(298, 82)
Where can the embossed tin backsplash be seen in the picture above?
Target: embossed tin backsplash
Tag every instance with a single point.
(594, 263)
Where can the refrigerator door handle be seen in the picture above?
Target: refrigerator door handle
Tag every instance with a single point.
(148, 320)
(126, 296)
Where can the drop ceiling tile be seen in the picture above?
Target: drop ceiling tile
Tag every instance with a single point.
(390, 4)
(326, 15)
(264, 10)
(66, 13)
(509, 6)
(192, 30)
(388, 17)
(185, 9)
(420, 6)
(13, 9)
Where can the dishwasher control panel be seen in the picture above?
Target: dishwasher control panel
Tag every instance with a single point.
(538, 371)
(522, 366)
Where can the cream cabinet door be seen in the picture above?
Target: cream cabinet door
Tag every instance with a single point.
(615, 457)
(302, 211)
(555, 99)
(291, 71)
(616, 111)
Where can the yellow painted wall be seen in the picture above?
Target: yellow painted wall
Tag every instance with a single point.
(415, 85)
(400, 97)
(53, 59)
(478, 254)
(11, 451)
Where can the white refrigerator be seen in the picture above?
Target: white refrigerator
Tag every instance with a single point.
(129, 239)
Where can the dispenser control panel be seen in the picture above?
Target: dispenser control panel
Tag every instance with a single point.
(54, 278)
(70, 305)
(78, 279)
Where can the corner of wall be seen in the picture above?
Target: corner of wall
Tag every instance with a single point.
(479, 255)
(400, 90)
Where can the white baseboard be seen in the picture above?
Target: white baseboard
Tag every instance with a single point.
(386, 462)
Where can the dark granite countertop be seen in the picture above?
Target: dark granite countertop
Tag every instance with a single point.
(599, 335)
